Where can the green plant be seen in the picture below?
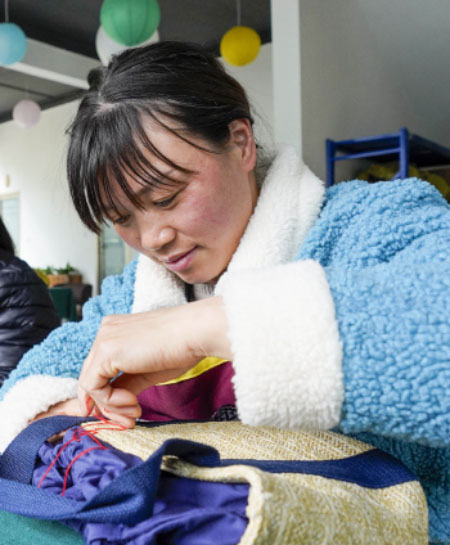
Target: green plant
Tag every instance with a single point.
(68, 269)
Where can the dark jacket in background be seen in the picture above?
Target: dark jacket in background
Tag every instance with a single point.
(27, 314)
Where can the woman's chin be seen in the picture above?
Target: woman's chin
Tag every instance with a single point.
(198, 277)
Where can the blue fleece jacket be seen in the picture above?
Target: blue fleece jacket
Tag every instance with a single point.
(386, 251)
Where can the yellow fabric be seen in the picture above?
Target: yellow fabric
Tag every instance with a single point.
(288, 508)
(377, 172)
(202, 366)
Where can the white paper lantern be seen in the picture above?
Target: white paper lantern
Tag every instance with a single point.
(106, 47)
(26, 113)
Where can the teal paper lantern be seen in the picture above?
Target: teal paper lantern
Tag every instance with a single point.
(130, 22)
(13, 43)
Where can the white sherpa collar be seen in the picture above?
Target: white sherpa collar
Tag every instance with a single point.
(289, 202)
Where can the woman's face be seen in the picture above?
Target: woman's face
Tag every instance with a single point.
(193, 228)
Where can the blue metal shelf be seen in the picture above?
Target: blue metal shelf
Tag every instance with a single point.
(401, 146)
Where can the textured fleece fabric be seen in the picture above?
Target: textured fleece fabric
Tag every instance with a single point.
(338, 306)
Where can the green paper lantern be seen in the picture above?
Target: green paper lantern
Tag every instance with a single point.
(130, 22)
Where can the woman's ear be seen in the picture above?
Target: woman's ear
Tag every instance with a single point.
(241, 136)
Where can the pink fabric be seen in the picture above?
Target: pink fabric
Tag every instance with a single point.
(194, 399)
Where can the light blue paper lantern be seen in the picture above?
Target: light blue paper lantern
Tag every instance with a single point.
(13, 43)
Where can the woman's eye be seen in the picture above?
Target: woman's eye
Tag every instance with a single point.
(165, 203)
(122, 220)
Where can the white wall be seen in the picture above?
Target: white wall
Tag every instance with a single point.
(371, 67)
(256, 78)
(34, 160)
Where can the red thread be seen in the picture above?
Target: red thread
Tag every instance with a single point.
(66, 475)
(77, 435)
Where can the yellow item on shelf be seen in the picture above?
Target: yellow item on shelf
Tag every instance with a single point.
(378, 173)
(42, 276)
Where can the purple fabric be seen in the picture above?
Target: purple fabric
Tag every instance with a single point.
(195, 399)
(187, 511)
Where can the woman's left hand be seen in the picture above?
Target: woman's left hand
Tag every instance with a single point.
(69, 407)
(148, 348)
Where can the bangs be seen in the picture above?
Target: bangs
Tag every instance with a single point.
(116, 149)
(180, 86)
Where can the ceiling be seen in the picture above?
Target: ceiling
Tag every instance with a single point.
(72, 25)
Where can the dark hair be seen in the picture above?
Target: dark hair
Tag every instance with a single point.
(6, 243)
(172, 82)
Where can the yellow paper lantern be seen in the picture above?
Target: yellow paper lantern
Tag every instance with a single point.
(240, 45)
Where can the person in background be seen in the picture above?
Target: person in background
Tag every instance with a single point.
(27, 314)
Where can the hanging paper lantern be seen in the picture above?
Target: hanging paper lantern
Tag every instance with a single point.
(130, 22)
(107, 47)
(240, 45)
(26, 113)
(13, 43)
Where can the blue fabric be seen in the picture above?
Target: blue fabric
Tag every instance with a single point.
(18, 461)
(371, 469)
(129, 499)
(385, 249)
(186, 511)
(382, 245)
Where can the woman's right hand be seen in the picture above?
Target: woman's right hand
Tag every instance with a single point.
(132, 352)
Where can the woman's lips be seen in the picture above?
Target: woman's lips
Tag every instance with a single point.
(182, 262)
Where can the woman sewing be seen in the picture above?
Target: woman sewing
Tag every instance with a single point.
(255, 288)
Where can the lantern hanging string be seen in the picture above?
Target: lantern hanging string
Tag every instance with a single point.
(238, 9)
(6, 11)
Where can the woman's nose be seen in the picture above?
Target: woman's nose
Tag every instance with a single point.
(155, 237)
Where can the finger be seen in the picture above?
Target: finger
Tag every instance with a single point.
(121, 419)
(111, 397)
(96, 412)
(133, 383)
(138, 383)
(116, 397)
(85, 402)
(134, 411)
(97, 371)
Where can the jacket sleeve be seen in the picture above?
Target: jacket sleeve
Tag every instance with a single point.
(358, 335)
(395, 323)
(48, 373)
(27, 314)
